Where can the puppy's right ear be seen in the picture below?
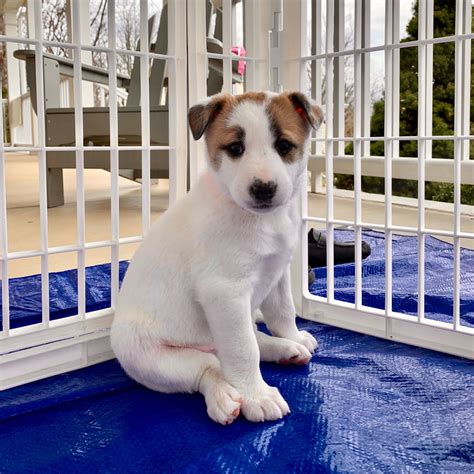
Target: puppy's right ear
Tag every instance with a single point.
(201, 115)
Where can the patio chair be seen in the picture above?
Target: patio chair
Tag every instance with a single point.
(60, 123)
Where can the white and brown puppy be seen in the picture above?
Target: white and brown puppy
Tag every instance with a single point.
(184, 319)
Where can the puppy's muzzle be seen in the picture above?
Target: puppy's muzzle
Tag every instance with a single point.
(263, 192)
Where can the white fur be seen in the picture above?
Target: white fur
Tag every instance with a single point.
(260, 160)
(184, 317)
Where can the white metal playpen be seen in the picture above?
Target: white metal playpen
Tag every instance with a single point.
(284, 39)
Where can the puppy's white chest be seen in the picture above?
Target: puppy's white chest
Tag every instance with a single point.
(274, 246)
(279, 237)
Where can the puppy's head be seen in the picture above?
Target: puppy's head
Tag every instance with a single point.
(257, 144)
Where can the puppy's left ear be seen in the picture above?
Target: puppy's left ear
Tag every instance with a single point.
(305, 107)
(201, 115)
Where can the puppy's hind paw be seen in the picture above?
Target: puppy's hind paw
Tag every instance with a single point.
(223, 403)
(266, 405)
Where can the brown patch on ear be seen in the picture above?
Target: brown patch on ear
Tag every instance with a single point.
(218, 132)
(287, 124)
(200, 116)
(307, 109)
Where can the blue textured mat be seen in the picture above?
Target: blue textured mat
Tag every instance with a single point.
(439, 283)
(362, 405)
(25, 293)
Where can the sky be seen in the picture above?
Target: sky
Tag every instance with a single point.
(377, 34)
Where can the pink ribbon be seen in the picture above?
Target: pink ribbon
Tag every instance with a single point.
(240, 51)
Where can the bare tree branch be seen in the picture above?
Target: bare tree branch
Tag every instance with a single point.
(101, 26)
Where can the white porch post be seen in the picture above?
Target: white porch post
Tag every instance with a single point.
(258, 22)
(85, 35)
(30, 13)
(14, 80)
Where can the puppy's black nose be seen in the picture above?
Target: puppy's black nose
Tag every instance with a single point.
(263, 192)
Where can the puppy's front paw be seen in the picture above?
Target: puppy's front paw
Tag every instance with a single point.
(264, 405)
(290, 352)
(307, 340)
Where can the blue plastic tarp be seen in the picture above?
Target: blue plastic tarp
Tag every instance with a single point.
(362, 405)
(25, 294)
(439, 277)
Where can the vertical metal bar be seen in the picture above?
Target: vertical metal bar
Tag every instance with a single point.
(388, 149)
(423, 118)
(145, 116)
(466, 88)
(42, 162)
(396, 78)
(291, 71)
(197, 33)
(358, 152)
(114, 154)
(233, 18)
(303, 47)
(303, 50)
(458, 130)
(329, 151)
(316, 72)
(254, 30)
(339, 105)
(456, 239)
(4, 238)
(252, 46)
(366, 77)
(263, 22)
(80, 194)
(249, 42)
(316, 75)
(177, 99)
(227, 44)
(428, 102)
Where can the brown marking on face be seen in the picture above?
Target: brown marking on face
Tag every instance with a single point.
(287, 124)
(219, 134)
(258, 97)
(291, 116)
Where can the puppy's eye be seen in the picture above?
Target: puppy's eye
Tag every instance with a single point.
(236, 149)
(283, 147)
